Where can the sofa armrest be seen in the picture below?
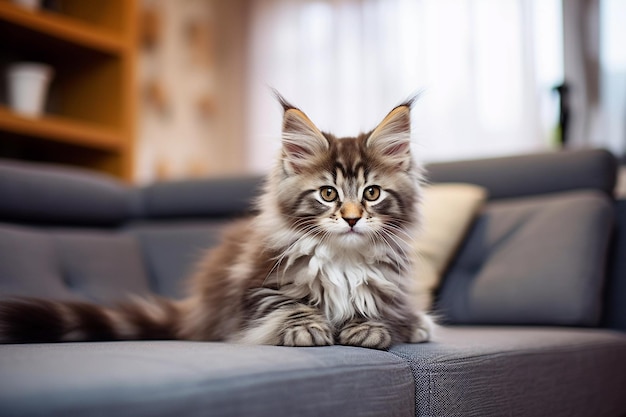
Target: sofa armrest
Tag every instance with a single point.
(518, 176)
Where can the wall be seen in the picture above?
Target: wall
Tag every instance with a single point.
(191, 99)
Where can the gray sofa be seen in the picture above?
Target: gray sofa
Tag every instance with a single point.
(533, 306)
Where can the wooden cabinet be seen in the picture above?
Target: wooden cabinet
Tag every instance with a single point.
(90, 111)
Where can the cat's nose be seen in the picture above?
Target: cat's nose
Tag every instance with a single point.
(351, 212)
(351, 220)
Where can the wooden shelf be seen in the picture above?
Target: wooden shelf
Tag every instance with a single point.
(62, 28)
(89, 117)
(61, 130)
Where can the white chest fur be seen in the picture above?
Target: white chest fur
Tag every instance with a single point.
(345, 283)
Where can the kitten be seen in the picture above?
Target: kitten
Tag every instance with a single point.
(326, 261)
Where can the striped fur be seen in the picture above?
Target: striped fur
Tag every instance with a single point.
(327, 259)
(29, 320)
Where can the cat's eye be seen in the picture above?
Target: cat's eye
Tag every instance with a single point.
(328, 194)
(372, 193)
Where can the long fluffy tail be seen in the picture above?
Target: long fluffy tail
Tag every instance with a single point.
(30, 320)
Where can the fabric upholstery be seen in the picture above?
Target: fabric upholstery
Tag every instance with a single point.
(538, 260)
(103, 267)
(98, 266)
(448, 210)
(170, 251)
(200, 379)
(525, 175)
(615, 292)
(29, 265)
(499, 371)
(199, 198)
(40, 193)
(525, 260)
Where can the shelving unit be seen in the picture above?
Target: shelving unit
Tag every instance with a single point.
(90, 112)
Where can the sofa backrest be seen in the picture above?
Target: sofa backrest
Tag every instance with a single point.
(533, 174)
(69, 233)
(538, 252)
(41, 194)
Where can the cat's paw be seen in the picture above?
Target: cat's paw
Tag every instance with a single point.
(367, 334)
(307, 335)
(304, 328)
(424, 329)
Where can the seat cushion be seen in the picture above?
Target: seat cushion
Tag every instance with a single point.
(489, 371)
(533, 260)
(200, 379)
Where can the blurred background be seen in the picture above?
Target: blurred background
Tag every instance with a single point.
(153, 90)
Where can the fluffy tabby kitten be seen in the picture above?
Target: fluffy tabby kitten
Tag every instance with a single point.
(326, 261)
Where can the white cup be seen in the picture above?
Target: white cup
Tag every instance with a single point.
(28, 87)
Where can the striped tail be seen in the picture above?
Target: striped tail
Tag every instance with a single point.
(31, 320)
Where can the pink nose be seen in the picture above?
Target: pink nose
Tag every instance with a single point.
(351, 220)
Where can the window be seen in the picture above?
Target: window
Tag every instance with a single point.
(485, 69)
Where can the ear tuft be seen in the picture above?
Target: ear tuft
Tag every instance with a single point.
(284, 103)
(302, 140)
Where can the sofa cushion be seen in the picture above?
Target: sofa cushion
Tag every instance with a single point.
(171, 250)
(536, 260)
(448, 211)
(524, 175)
(199, 379)
(50, 194)
(29, 265)
(225, 197)
(474, 371)
(99, 266)
(103, 267)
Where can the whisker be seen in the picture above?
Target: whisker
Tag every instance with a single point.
(397, 238)
(378, 233)
(401, 230)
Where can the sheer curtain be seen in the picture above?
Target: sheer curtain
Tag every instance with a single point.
(613, 85)
(485, 69)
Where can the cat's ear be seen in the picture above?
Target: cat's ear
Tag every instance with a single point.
(392, 137)
(302, 141)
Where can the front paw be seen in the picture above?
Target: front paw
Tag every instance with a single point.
(304, 328)
(424, 328)
(367, 334)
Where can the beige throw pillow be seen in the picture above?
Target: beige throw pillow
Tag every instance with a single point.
(448, 210)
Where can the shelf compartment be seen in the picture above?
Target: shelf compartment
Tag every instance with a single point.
(112, 15)
(62, 130)
(88, 117)
(67, 29)
(83, 87)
